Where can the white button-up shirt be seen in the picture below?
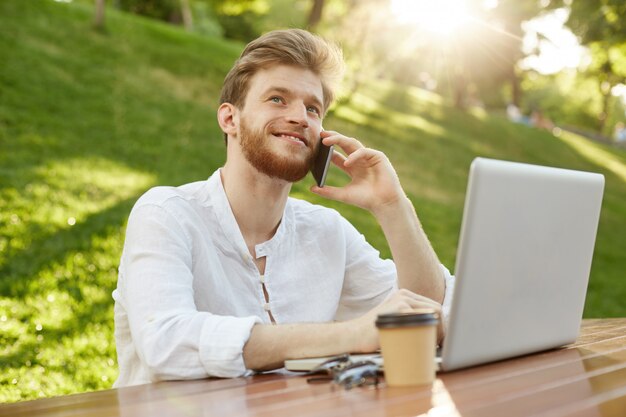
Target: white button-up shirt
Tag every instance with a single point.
(189, 292)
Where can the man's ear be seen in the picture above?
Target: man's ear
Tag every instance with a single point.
(228, 118)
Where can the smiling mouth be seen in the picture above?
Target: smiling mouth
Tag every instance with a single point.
(292, 137)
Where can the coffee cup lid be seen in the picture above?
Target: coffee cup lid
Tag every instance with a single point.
(424, 317)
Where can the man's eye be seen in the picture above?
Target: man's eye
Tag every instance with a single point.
(276, 99)
(313, 109)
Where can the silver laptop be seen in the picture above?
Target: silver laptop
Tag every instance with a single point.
(523, 262)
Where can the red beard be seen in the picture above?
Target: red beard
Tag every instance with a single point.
(256, 149)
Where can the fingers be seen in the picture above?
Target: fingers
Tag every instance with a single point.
(348, 145)
(360, 154)
(402, 301)
(410, 294)
(339, 160)
(354, 150)
(410, 302)
(405, 299)
(421, 304)
(332, 193)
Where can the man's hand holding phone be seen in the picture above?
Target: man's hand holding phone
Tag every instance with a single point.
(375, 184)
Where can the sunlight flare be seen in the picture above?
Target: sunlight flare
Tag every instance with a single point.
(442, 17)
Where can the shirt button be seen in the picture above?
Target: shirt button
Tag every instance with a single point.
(266, 307)
(262, 278)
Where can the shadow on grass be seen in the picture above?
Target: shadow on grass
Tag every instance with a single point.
(24, 266)
(90, 313)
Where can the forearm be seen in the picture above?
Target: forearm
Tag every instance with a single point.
(375, 187)
(417, 264)
(270, 345)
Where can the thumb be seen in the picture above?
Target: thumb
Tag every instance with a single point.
(332, 193)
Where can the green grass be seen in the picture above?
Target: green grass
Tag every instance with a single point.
(89, 121)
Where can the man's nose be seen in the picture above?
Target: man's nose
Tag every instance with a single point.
(298, 115)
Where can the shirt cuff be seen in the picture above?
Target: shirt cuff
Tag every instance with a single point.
(221, 346)
(447, 297)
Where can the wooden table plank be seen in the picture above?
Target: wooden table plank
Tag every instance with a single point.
(587, 378)
(613, 404)
(96, 402)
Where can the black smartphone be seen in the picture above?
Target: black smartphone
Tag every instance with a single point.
(322, 163)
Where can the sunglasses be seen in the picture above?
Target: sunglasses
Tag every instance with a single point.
(342, 371)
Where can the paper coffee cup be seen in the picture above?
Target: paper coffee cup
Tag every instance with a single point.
(408, 342)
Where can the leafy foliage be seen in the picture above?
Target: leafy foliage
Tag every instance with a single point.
(166, 10)
(596, 20)
(601, 26)
(569, 97)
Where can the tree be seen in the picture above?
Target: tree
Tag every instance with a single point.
(600, 25)
(512, 13)
(368, 46)
(98, 21)
(186, 14)
(166, 10)
(488, 50)
(315, 16)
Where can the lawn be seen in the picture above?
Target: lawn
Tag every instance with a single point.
(89, 121)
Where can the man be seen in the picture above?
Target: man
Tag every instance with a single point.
(229, 275)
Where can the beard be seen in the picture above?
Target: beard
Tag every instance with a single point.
(256, 148)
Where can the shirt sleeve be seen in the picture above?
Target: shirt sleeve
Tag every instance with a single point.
(172, 338)
(369, 279)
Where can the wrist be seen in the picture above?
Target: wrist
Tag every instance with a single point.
(392, 208)
(345, 336)
(361, 335)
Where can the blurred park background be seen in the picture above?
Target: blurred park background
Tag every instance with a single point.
(101, 100)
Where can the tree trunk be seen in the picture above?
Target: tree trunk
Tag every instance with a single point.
(460, 89)
(360, 38)
(187, 16)
(315, 16)
(606, 101)
(98, 21)
(516, 91)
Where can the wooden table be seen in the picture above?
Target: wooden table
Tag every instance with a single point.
(587, 378)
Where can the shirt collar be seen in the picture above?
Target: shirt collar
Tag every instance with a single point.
(228, 224)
